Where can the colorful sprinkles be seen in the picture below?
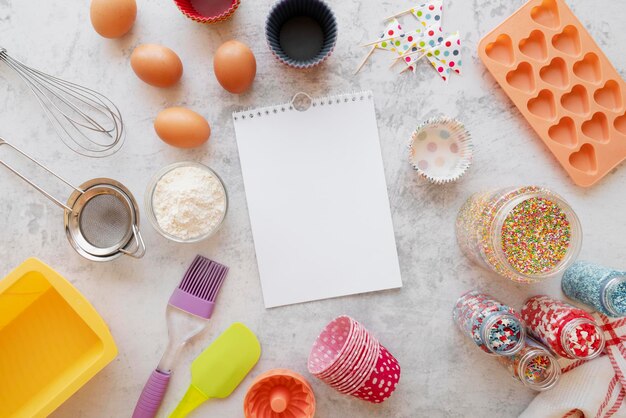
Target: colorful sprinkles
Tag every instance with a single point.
(494, 327)
(534, 366)
(569, 331)
(535, 236)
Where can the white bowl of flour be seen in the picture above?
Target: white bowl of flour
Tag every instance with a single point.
(186, 202)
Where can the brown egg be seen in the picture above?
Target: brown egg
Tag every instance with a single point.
(235, 66)
(113, 18)
(156, 65)
(181, 127)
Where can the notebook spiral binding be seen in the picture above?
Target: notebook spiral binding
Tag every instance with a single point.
(292, 105)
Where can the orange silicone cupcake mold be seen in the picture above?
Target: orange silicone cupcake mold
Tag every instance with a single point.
(279, 393)
(564, 85)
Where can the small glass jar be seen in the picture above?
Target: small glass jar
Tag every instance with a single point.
(568, 331)
(526, 234)
(496, 328)
(534, 366)
(599, 287)
(150, 204)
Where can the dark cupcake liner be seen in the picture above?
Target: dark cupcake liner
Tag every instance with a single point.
(188, 10)
(285, 10)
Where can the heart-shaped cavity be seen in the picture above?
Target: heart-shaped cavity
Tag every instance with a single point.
(609, 96)
(584, 159)
(522, 78)
(555, 73)
(535, 46)
(577, 100)
(543, 105)
(620, 124)
(597, 128)
(568, 41)
(589, 68)
(547, 14)
(501, 50)
(564, 132)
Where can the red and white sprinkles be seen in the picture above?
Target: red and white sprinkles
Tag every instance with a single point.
(569, 331)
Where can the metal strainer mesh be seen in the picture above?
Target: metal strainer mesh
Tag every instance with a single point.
(105, 220)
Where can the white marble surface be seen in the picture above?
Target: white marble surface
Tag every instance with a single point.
(443, 374)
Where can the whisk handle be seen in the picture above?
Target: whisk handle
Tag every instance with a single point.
(152, 395)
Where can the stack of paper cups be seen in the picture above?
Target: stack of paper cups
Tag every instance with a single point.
(348, 358)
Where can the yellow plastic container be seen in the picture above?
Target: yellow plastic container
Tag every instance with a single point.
(52, 341)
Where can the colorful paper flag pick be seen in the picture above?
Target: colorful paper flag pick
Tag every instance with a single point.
(446, 56)
(433, 8)
(430, 13)
(387, 41)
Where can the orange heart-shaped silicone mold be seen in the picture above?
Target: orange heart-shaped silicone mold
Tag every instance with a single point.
(501, 50)
(522, 78)
(577, 100)
(563, 84)
(585, 159)
(589, 68)
(564, 132)
(547, 14)
(543, 105)
(568, 41)
(609, 96)
(535, 46)
(555, 73)
(597, 128)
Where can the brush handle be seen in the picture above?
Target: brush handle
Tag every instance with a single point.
(152, 395)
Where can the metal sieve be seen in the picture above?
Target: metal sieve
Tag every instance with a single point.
(101, 216)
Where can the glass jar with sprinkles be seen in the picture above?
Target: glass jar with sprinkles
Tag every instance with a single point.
(568, 331)
(525, 234)
(496, 328)
(534, 366)
(599, 287)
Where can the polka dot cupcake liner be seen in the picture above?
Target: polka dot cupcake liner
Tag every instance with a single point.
(383, 379)
(441, 150)
(348, 358)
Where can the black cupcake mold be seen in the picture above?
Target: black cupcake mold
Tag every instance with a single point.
(301, 33)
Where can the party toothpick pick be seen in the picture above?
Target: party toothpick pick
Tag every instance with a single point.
(393, 30)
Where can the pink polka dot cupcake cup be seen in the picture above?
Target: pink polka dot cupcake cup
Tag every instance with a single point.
(351, 360)
(441, 150)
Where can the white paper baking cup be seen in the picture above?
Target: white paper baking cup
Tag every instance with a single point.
(441, 150)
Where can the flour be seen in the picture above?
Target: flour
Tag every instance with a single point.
(189, 202)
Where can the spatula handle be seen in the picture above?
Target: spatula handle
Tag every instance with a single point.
(152, 395)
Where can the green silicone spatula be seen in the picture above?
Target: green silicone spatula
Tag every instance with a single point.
(219, 369)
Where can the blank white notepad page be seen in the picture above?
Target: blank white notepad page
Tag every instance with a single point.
(317, 199)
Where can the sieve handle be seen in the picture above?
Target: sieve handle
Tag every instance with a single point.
(140, 247)
(38, 188)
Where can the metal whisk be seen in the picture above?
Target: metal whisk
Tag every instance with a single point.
(86, 121)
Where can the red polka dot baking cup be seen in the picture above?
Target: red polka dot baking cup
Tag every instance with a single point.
(351, 360)
(568, 331)
(441, 150)
(383, 379)
(208, 11)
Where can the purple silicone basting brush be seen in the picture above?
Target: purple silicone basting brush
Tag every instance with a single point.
(188, 311)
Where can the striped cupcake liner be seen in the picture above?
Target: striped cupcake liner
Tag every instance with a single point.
(186, 7)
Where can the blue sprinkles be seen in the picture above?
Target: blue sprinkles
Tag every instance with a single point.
(590, 284)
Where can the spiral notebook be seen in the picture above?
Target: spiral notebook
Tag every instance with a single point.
(317, 199)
